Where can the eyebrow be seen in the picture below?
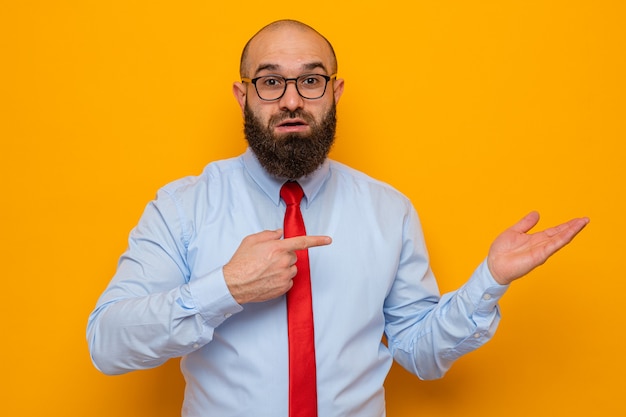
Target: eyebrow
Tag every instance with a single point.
(306, 67)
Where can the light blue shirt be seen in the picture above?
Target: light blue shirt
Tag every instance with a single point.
(169, 297)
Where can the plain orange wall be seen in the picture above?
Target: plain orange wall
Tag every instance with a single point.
(478, 111)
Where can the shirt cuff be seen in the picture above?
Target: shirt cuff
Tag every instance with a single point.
(212, 299)
(483, 290)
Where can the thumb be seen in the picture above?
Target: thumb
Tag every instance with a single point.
(267, 235)
(526, 223)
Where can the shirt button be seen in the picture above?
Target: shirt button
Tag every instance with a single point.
(476, 335)
(227, 315)
(195, 346)
(487, 297)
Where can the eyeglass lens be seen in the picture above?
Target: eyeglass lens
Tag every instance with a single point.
(272, 87)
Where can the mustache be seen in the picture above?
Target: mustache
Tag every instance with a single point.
(288, 114)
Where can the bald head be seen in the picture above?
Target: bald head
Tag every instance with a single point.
(277, 29)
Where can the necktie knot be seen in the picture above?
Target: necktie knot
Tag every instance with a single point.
(291, 193)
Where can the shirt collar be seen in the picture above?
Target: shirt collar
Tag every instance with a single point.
(311, 184)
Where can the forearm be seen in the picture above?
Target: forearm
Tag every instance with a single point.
(459, 323)
(142, 332)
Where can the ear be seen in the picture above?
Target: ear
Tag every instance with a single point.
(240, 91)
(338, 89)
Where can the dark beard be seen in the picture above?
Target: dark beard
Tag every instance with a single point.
(294, 155)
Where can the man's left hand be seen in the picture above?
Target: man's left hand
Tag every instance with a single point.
(515, 252)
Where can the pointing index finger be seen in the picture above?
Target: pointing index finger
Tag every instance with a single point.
(305, 242)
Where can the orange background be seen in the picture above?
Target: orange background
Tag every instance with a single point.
(478, 111)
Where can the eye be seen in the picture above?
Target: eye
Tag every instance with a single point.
(271, 82)
(310, 81)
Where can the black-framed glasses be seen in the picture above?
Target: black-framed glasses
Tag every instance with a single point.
(273, 87)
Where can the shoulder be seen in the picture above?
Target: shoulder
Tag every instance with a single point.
(214, 175)
(360, 182)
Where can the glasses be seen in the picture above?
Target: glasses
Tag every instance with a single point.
(273, 87)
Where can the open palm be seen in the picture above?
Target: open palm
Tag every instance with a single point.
(515, 252)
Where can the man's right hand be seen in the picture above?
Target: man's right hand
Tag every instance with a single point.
(263, 267)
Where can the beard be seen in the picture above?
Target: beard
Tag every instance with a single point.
(293, 155)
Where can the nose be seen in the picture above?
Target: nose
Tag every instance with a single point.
(291, 100)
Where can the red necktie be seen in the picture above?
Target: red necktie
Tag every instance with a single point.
(302, 380)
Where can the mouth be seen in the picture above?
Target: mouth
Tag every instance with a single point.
(292, 125)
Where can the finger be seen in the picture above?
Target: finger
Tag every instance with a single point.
(305, 242)
(293, 271)
(562, 234)
(526, 223)
(573, 227)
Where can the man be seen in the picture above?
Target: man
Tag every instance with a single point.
(208, 275)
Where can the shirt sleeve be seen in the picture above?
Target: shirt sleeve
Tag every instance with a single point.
(151, 310)
(427, 332)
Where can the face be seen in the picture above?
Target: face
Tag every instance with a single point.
(291, 136)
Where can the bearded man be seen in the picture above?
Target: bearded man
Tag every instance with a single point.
(274, 326)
